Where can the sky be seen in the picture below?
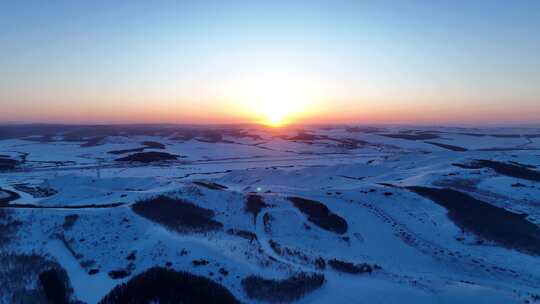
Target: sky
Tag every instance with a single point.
(426, 62)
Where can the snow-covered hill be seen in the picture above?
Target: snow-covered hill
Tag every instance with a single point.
(338, 214)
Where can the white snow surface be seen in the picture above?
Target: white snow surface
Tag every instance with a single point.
(422, 253)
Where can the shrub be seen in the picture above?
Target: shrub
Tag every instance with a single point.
(201, 262)
(32, 279)
(55, 286)
(153, 145)
(275, 246)
(8, 164)
(350, 267)
(448, 147)
(320, 263)
(148, 157)
(210, 185)
(93, 271)
(70, 220)
(248, 235)
(291, 289)
(422, 136)
(119, 274)
(297, 255)
(8, 226)
(177, 214)
(162, 285)
(254, 205)
(124, 151)
(267, 221)
(132, 256)
(224, 272)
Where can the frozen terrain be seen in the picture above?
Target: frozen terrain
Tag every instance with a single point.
(320, 214)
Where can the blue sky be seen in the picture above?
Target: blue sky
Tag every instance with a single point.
(379, 61)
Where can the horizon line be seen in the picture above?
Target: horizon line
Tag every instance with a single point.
(91, 124)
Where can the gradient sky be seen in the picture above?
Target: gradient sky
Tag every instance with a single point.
(226, 61)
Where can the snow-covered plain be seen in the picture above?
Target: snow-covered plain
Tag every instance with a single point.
(360, 174)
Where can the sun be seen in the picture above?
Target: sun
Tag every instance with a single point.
(276, 109)
(275, 103)
(275, 119)
(273, 99)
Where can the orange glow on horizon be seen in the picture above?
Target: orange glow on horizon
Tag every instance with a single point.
(273, 97)
(272, 103)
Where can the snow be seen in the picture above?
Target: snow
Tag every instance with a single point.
(87, 288)
(412, 238)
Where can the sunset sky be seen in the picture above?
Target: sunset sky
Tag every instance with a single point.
(257, 61)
